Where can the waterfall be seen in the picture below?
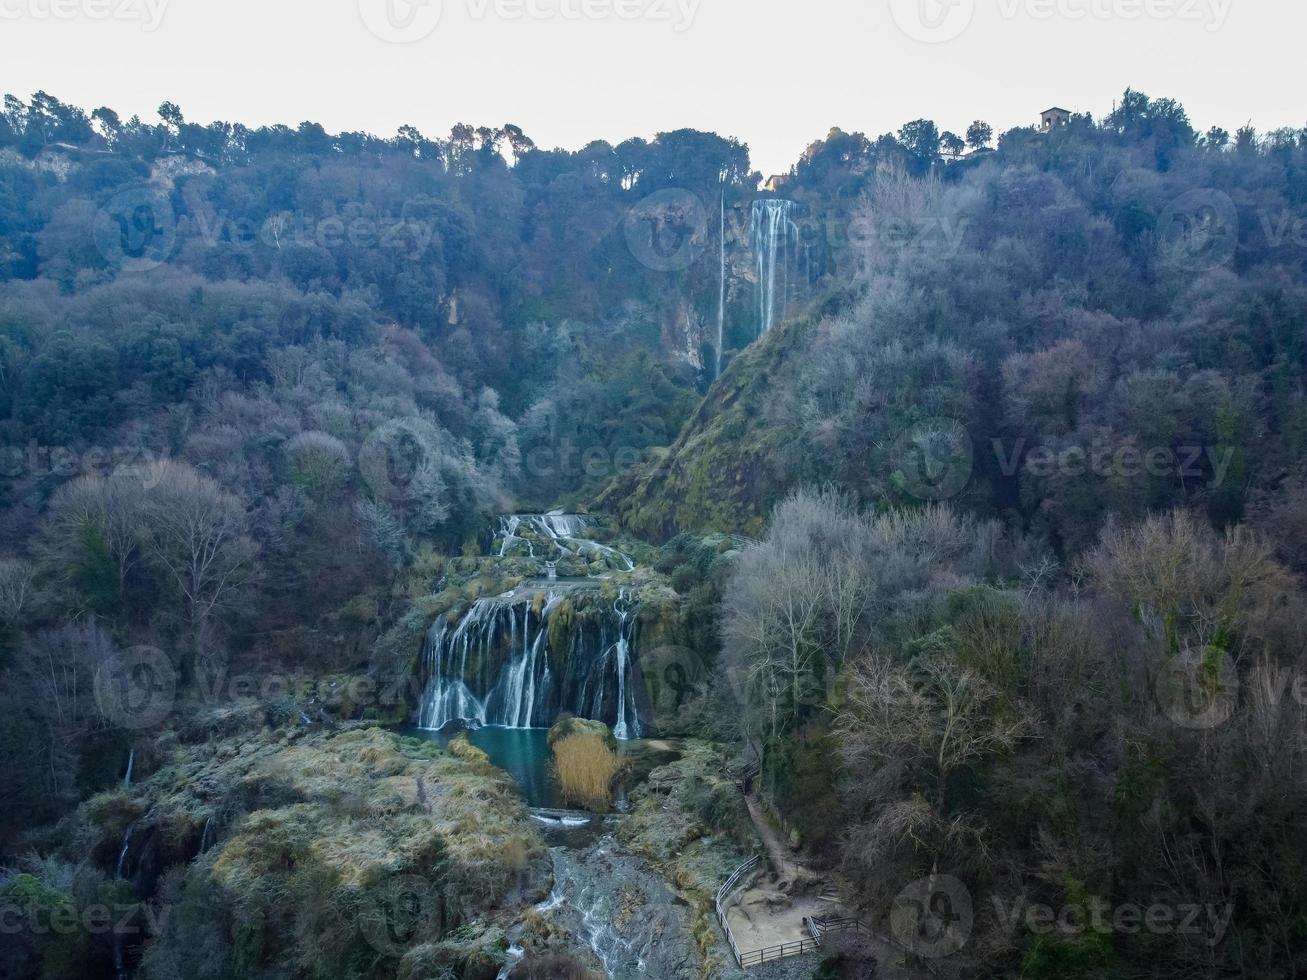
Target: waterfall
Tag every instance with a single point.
(509, 530)
(122, 853)
(497, 666)
(561, 532)
(206, 836)
(721, 294)
(773, 232)
(513, 956)
(119, 961)
(621, 652)
(131, 761)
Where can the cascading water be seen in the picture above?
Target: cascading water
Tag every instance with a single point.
(561, 533)
(553, 644)
(620, 654)
(206, 837)
(131, 761)
(504, 664)
(721, 294)
(593, 884)
(775, 236)
(119, 959)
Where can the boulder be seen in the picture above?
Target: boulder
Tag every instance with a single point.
(568, 725)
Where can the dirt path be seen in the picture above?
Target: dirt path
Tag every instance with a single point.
(777, 850)
(773, 910)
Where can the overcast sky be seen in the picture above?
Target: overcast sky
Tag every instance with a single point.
(777, 74)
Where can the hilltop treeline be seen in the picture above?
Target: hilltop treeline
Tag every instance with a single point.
(258, 386)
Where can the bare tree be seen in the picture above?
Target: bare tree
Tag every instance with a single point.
(807, 598)
(54, 679)
(15, 587)
(198, 534)
(905, 730)
(111, 507)
(1192, 587)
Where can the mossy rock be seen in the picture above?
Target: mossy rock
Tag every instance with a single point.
(560, 633)
(313, 829)
(461, 748)
(575, 567)
(568, 725)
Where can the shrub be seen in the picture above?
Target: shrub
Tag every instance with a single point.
(586, 768)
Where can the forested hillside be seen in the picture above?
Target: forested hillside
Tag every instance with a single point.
(1107, 319)
(1017, 472)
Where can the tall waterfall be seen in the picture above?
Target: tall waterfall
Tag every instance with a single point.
(511, 662)
(721, 295)
(775, 237)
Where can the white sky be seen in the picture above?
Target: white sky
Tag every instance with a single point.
(774, 73)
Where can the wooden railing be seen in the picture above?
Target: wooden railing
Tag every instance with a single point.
(837, 924)
(721, 900)
(785, 950)
(818, 930)
(748, 774)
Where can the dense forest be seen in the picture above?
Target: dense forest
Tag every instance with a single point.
(988, 552)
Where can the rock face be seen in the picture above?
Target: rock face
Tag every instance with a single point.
(521, 659)
(560, 618)
(294, 848)
(625, 915)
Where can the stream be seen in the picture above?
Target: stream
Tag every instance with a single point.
(623, 917)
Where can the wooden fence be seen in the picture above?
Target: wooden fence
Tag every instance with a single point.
(721, 901)
(818, 930)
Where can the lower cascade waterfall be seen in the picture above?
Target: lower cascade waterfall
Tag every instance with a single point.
(519, 660)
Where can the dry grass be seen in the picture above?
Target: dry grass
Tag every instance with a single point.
(586, 768)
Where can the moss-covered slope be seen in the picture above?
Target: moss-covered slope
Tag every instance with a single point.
(359, 854)
(721, 472)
